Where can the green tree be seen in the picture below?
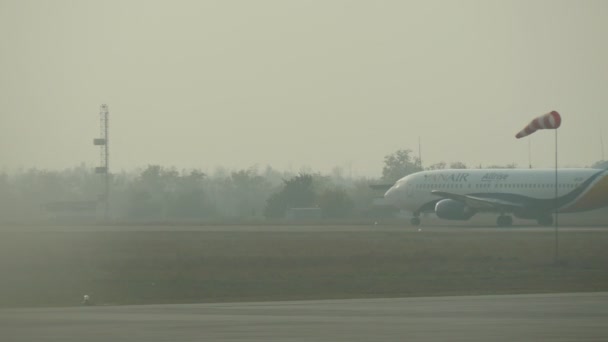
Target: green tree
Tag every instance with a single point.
(443, 165)
(297, 192)
(162, 193)
(188, 200)
(508, 166)
(399, 164)
(458, 165)
(335, 203)
(250, 190)
(437, 166)
(150, 191)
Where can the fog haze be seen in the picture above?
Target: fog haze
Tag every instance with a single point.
(292, 84)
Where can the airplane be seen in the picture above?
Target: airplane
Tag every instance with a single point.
(458, 194)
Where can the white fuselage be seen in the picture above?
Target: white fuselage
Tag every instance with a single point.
(414, 191)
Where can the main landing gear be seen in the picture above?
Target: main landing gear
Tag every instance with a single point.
(504, 221)
(415, 221)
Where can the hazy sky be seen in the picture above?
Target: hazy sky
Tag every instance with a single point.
(289, 84)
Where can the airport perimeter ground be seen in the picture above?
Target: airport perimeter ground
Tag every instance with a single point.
(55, 265)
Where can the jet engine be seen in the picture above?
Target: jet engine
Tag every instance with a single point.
(448, 209)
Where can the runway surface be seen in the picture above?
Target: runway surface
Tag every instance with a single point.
(548, 317)
(298, 228)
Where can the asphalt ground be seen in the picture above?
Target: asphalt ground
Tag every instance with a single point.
(537, 317)
(364, 227)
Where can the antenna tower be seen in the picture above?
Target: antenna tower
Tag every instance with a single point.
(104, 154)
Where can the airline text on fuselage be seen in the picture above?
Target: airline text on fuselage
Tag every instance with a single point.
(454, 177)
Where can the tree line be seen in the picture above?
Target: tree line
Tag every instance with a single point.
(158, 193)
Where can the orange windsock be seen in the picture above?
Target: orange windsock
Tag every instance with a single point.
(550, 120)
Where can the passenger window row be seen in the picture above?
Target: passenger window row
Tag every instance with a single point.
(497, 185)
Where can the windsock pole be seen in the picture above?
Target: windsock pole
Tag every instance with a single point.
(551, 120)
(556, 205)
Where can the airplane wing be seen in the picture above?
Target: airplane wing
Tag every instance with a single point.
(482, 203)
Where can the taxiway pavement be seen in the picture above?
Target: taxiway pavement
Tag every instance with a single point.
(534, 317)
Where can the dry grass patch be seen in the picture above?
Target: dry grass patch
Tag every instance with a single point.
(57, 268)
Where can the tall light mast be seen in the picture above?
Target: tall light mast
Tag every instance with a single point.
(104, 156)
